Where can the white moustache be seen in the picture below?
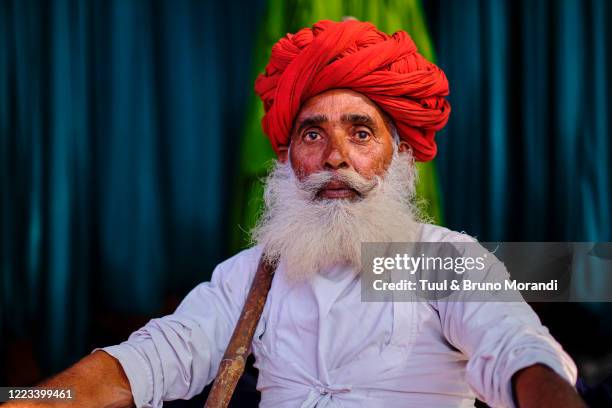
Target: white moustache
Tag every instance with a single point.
(349, 179)
(310, 235)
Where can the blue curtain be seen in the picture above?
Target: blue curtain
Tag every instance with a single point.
(119, 124)
(526, 154)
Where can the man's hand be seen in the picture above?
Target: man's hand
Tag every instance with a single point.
(539, 386)
(97, 380)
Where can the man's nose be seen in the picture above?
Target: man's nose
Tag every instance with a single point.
(336, 156)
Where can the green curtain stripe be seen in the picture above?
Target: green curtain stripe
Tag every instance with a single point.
(284, 16)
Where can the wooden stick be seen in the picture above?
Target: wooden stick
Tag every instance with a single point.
(234, 360)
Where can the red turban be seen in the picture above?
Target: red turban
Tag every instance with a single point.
(355, 55)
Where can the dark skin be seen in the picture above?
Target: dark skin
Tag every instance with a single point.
(539, 386)
(338, 129)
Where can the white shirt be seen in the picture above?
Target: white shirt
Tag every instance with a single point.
(319, 345)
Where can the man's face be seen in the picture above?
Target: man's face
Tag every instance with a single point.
(340, 129)
(345, 185)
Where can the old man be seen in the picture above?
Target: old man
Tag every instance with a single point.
(349, 110)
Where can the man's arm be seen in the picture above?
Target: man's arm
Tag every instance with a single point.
(172, 357)
(539, 386)
(507, 346)
(513, 359)
(97, 380)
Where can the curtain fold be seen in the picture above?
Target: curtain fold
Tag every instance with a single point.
(118, 140)
(526, 153)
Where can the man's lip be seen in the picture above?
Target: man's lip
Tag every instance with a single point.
(338, 193)
(336, 185)
(337, 189)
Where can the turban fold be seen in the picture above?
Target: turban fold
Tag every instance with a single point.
(354, 55)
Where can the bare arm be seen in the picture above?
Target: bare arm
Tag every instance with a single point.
(97, 380)
(172, 357)
(539, 386)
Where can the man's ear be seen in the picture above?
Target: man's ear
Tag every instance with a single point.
(283, 153)
(404, 147)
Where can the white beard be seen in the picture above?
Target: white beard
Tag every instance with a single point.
(309, 235)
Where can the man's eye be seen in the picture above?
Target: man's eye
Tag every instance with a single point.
(362, 135)
(311, 136)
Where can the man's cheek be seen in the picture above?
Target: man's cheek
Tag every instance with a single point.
(309, 165)
(370, 168)
(303, 169)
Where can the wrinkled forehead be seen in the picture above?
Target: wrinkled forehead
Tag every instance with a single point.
(342, 106)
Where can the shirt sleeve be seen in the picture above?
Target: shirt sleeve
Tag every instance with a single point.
(176, 356)
(499, 339)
